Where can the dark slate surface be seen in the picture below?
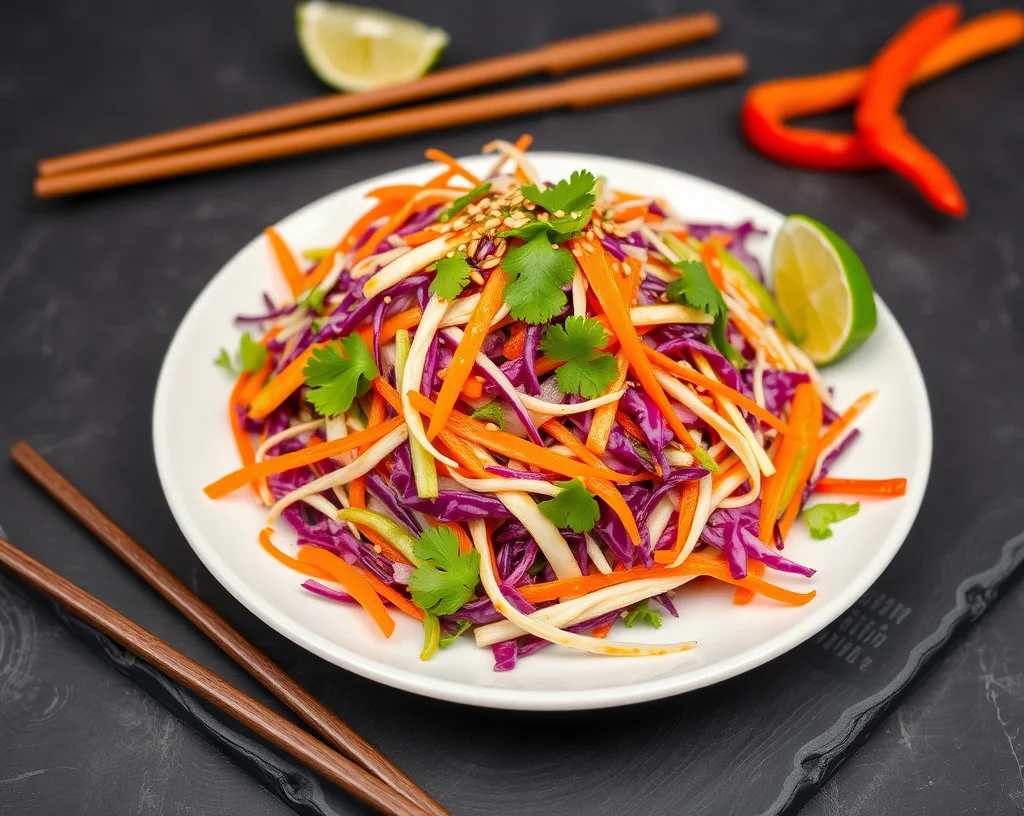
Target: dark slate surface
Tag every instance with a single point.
(91, 291)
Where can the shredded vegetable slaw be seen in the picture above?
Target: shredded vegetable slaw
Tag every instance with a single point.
(528, 408)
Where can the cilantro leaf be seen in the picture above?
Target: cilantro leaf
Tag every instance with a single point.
(557, 230)
(452, 276)
(536, 275)
(224, 361)
(446, 580)
(337, 379)
(641, 612)
(448, 640)
(574, 507)
(250, 356)
(696, 289)
(572, 194)
(491, 412)
(459, 204)
(587, 371)
(820, 516)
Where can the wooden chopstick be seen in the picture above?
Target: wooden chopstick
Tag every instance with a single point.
(583, 92)
(273, 678)
(210, 687)
(555, 58)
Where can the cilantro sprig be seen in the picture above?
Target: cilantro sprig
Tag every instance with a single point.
(587, 371)
(695, 288)
(573, 198)
(574, 507)
(568, 195)
(538, 269)
(491, 412)
(338, 373)
(446, 580)
(452, 276)
(250, 356)
(536, 274)
(459, 204)
(644, 614)
(821, 516)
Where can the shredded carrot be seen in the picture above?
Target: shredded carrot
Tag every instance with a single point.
(687, 511)
(806, 468)
(288, 561)
(399, 191)
(879, 488)
(713, 262)
(592, 259)
(491, 300)
(473, 388)
(695, 564)
(516, 343)
(508, 445)
(602, 631)
(743, 596)
(390, 594)
(408, 319)
(357, 492)
(726, 472)
(421, 200)
(606, 491)
(568, 438)
(720, 389)
(465, 542)
(837, 428)
(440, 156)
(282, 386)
(300, 458)
(286, 261)
(629, 426)
(604, 417)
(354, 584)
(255, 383)
(243, 442)
(629, 213)
(786, 460)
(424, 236)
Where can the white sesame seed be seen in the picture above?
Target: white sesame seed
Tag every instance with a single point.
(559, 213)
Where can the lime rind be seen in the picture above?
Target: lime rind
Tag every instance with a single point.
(358, 49)
(860, 314)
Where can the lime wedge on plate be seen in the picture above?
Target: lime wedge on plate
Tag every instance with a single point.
(353, 48)
(822, 288)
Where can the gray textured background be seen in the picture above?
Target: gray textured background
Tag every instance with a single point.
(91, 290)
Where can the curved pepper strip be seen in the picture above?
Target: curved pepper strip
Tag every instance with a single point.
(769, 105)
(877, 117)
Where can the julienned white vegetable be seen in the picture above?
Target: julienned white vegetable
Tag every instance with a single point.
(414, 374)
(668, 313)
(733, 438)
(700, 518)
(546, 534)
(360, 467)
(409, 264)
(539, 406)
(424, 468)
(568, 613)
(546, 631)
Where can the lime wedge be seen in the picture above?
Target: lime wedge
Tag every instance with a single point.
(822, 288)
(353, 48)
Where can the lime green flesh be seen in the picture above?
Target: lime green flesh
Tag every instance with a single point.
(353, 48)
(822, 289)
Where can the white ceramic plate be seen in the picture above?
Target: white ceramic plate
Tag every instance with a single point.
(193, 446)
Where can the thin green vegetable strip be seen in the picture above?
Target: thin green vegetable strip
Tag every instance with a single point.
(389, 530)
(424, 469)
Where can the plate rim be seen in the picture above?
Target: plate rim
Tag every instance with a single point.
(512, 698)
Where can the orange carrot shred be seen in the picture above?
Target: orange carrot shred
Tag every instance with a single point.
(300, 458)
(286, 261)
(440, 156)
(288, 561)
(354, 584)
(878, 488)
(491, 300)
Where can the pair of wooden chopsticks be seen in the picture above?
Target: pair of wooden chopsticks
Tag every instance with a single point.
(263, 135)
(358, 768)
